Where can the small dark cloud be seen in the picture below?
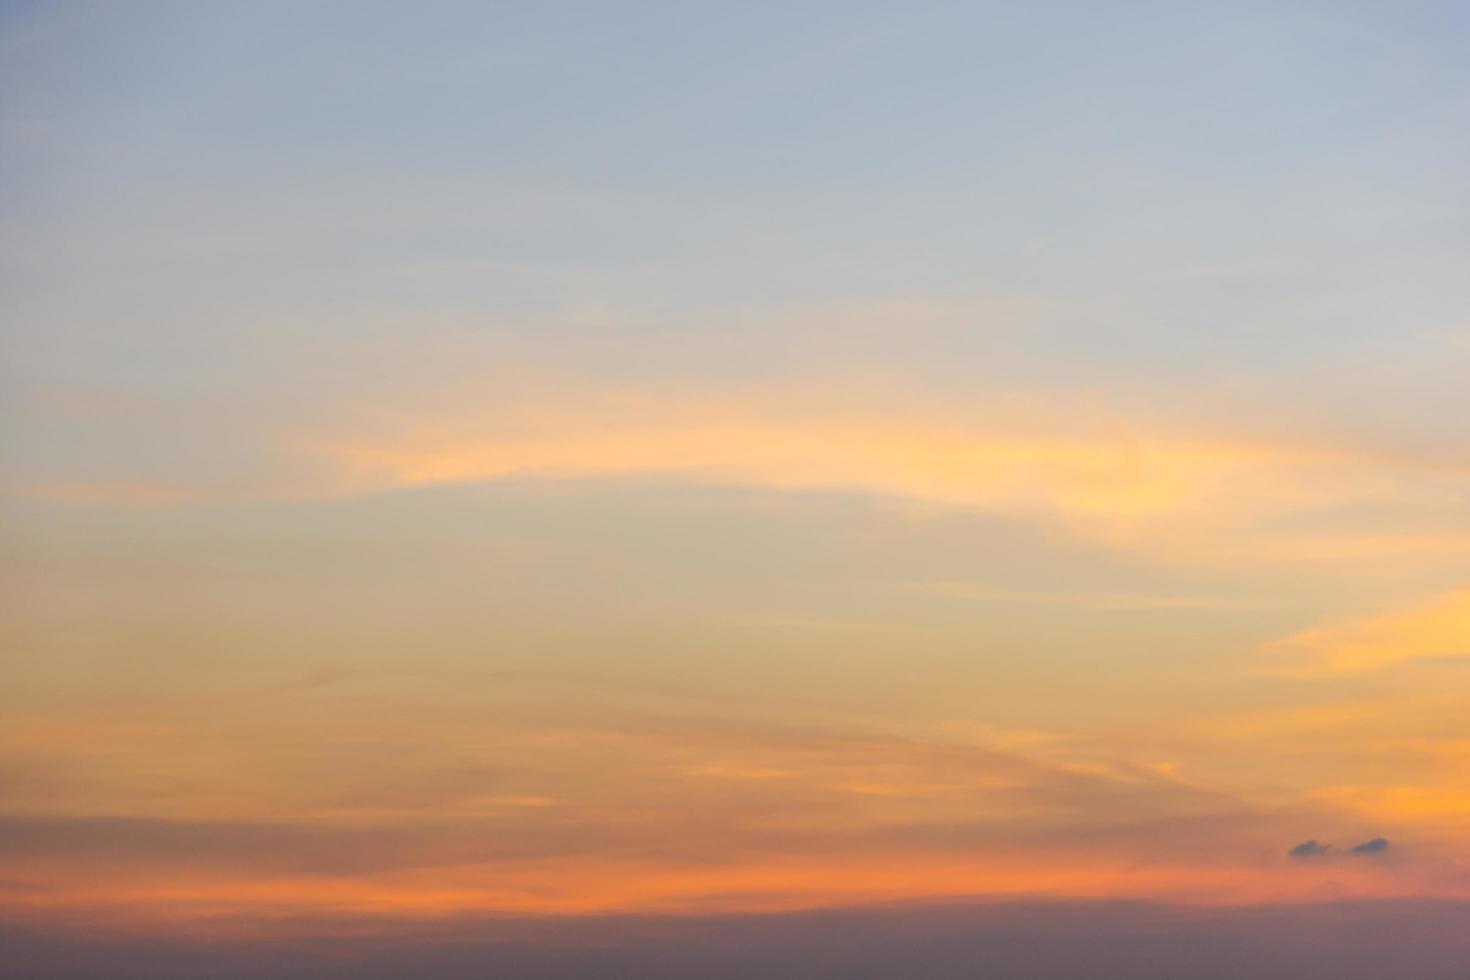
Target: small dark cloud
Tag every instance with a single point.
(1374, 846)
(1309, 849)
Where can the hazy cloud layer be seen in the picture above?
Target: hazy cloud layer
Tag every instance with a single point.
(1060, 941)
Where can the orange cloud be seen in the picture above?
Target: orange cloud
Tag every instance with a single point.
(697, 816)
(598, 884)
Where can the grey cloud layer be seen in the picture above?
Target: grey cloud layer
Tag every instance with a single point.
(1020, 941)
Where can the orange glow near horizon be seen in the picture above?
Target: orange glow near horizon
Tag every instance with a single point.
(560, 889)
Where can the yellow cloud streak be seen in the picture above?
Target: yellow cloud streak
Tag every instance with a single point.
(1108, 485)
(1105, 472)
(1140, 481)
(1439, 627)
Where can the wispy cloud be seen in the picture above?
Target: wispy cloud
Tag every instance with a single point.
(1144, 483)
(1436, 627)
(702, 814)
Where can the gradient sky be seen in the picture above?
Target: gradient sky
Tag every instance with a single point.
(669, 466)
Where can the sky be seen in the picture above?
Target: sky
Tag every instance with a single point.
(778, 489)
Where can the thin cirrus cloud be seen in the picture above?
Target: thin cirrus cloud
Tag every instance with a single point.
(1438, 627)
(1114, 480)
(1126, 478)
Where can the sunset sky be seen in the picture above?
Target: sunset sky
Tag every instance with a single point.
(506, 479)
